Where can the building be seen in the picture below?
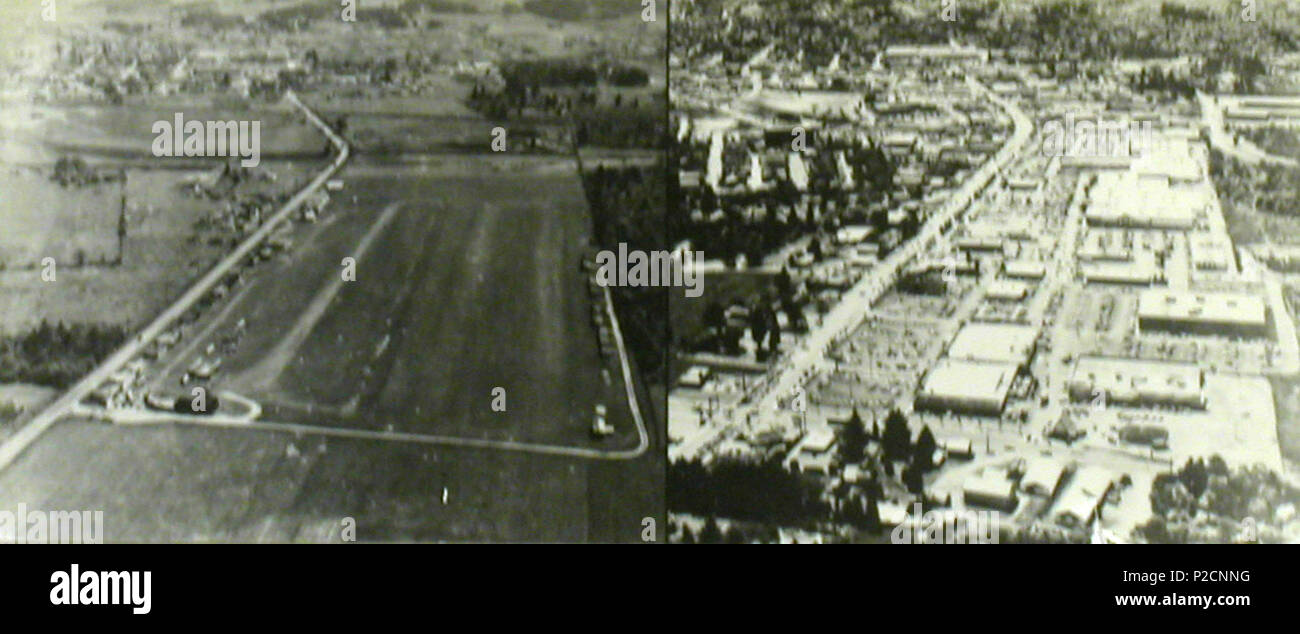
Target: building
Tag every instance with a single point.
(1081, 501)
(992, 489)
(814, 454)
(1043, 477)
(1025, 269)
(970, 387)
(995, 343)
(1140, 200)
(1188, 312)
(1139, 272)
(1008, 290)
(1137, 383)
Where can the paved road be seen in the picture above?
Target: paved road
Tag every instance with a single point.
(19, 442)
(857, 301)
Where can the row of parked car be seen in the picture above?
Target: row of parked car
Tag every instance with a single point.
(600, 426)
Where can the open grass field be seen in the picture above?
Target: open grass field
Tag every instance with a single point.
(43, 220)
(126, 131)
(158, 259)
(472, 279)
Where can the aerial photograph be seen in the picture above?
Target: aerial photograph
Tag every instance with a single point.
(382, 324)
(987, 271)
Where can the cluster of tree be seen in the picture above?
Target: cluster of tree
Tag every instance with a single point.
(620, 127)
(1266, 187)
(56, 355)
(627, 206)
(762, 491)
(712, 533)
(722, 336)
(569, 89)
(1163, 81)
(1206, 501)
(1275, 140)
(896, 445)
(923, 283)
(74, 172)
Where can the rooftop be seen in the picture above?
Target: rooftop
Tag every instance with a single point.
(969, 380)
(1205, 307)
(996, 343)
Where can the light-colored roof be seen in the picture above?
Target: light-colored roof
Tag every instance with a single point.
(1042, 474)
(996, 343)
(818, 440)
(1189, 306)
(1129, 379)
(968, 380)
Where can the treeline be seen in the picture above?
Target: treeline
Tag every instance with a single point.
(619, 128)
(627, 206)
(1266, 187)
(1206, 501)
(531, 74)
(760, 491)
(57, 355)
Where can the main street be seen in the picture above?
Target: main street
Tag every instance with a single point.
(797, 368)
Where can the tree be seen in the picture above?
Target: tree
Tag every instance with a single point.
(897, 439)
(853, 440)
(923, 452)
(710, 534)
(715, 317)
(914, 480)
(1195, 477)
(873, 512)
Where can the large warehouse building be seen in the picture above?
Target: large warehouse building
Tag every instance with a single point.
(1161, 310)
(979, 370)
(994, 343)
(1131, 200)
(973, 387)
(1138, 383)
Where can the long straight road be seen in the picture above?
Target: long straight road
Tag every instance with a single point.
(42, 421)
(852, 309)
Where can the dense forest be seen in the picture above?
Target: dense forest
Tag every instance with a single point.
(57, 355)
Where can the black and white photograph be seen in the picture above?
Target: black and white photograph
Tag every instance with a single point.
(321, 271)
(1018, 270)
(294, 292)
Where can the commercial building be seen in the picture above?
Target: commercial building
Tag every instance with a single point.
(1137, 383)
(1162, 310)
(1142, 271)
(971, 387)
(994, 343)
(1135, 199)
